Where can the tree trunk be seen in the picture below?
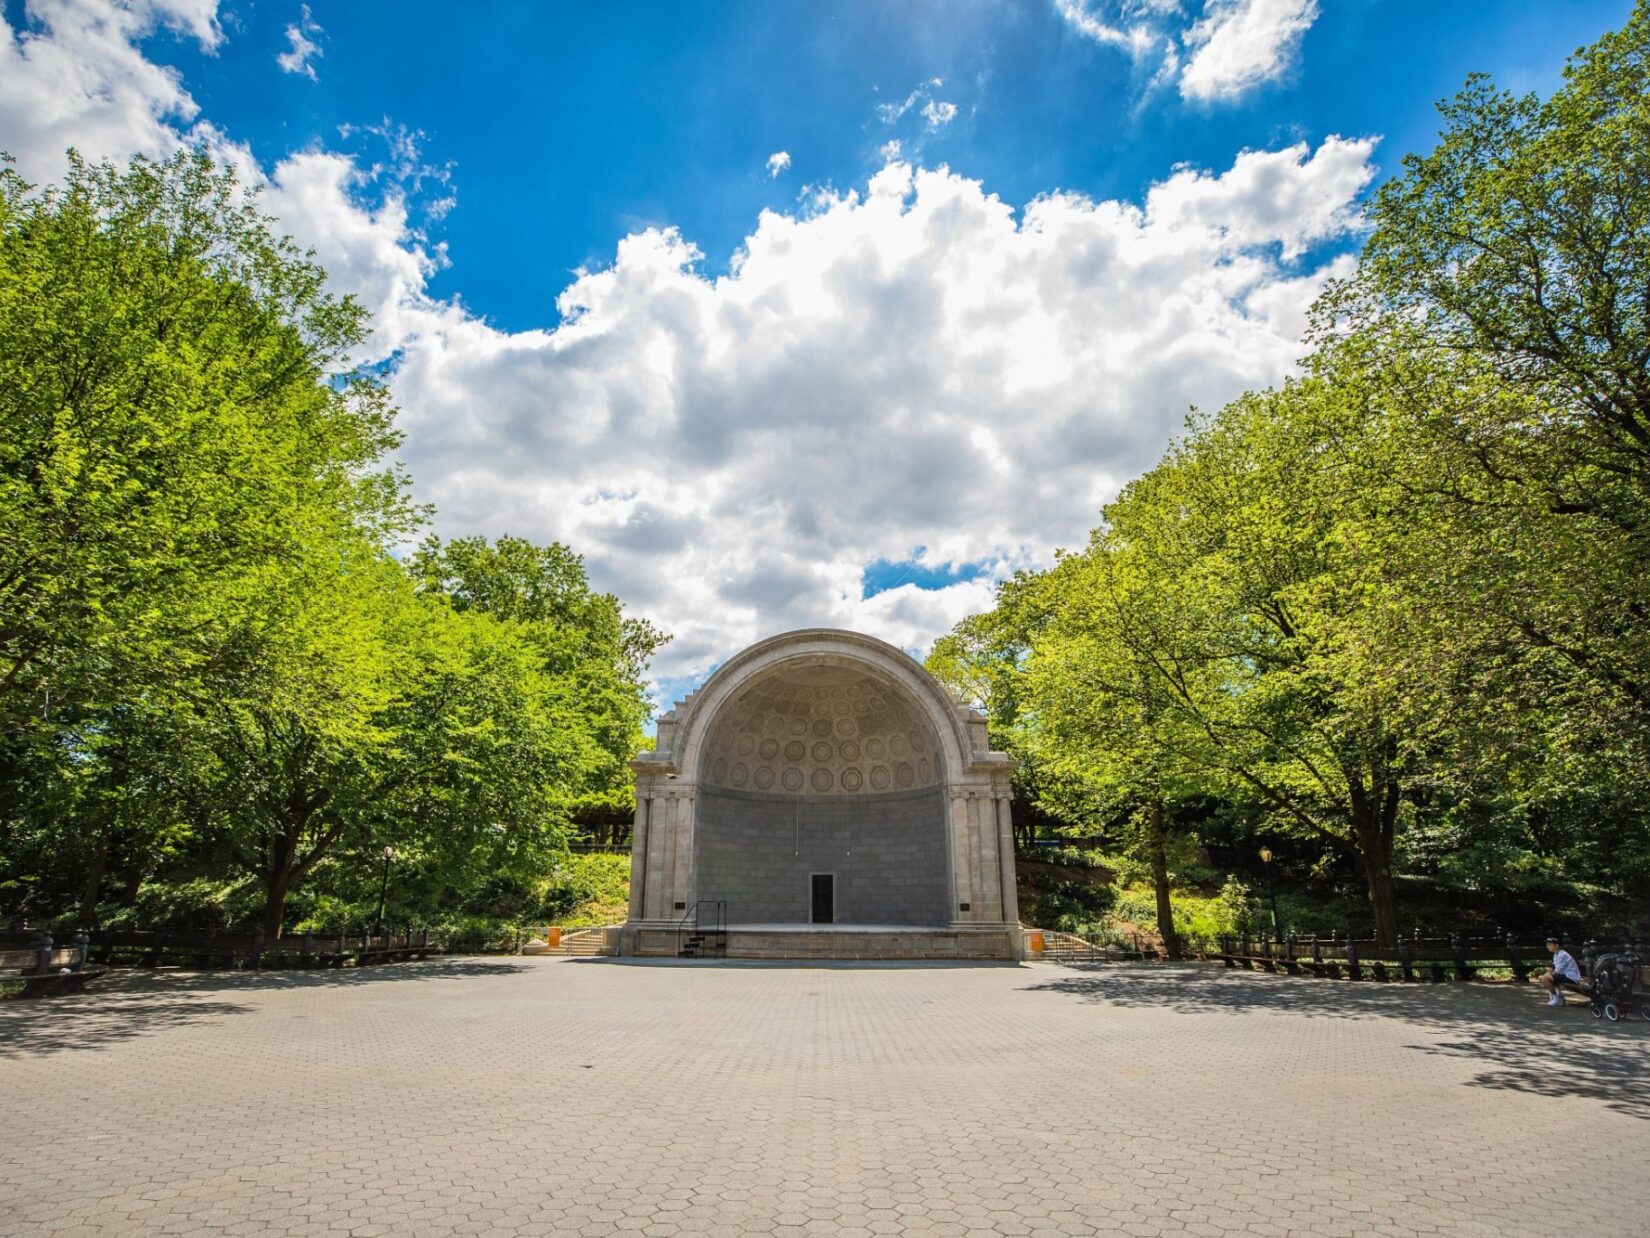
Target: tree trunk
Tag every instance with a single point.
(278, 879)
(276, 890)
(1160, 880)
(92, 890)
(1383, 899)
(1374, 826)
(1374, 856)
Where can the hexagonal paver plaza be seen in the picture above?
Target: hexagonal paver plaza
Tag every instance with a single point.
(550, 1096)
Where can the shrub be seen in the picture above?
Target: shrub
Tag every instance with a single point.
(585, 891)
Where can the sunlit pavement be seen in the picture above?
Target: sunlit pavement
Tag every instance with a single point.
(541, 1096)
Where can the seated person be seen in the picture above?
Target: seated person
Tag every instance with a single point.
(1563, 974)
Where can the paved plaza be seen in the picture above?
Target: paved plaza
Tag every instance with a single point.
(552, 1096)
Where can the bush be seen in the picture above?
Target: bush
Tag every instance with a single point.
(585, 891)
(198, 904)
(1071, 857)
(1199, 919)
(1068, 906)
(504, 897)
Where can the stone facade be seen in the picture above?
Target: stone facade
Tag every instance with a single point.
(886, 852)
(825, 752)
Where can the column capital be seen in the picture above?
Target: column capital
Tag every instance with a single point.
(665, 791)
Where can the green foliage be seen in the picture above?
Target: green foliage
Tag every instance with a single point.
(1068, 906)
(172, 435)
(585, 890)
(1076, 857)
(590, 651)
(1200, 919)
(1397, 609)
(198, 903)
(222, 696)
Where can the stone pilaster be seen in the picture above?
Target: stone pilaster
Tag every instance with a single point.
(658, 848)
(638, 857)
(1005, 850)
(682, 871)
(962, 852)
(982, 822)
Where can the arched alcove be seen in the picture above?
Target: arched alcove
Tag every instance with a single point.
(836, 799)
(822, 779)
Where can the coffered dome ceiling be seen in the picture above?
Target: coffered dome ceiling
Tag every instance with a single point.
(820, 730)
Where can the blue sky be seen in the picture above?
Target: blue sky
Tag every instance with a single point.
(789, 314)
(566, 126)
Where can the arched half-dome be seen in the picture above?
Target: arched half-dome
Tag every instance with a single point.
(824, 778)
(808, 668)
(821, 727)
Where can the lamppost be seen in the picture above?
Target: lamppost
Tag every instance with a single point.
(1271, 890)
(384, 889)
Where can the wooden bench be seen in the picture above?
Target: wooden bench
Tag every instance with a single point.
(212, 948)
(205, 949)
(1240, 953)
(1433, 960)
(201, 948)
(47, 969)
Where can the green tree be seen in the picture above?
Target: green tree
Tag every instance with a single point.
(1524, 237)
(1512, 262)
(1500, 326)
(1106, 735)
(370, 716)
(982, 660)
(1405, 600)
(178, 422)
(1217, 631)
(595, 655)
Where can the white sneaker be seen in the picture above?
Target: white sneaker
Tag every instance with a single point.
(1555, 1000)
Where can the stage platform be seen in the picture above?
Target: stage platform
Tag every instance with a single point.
(833, 941)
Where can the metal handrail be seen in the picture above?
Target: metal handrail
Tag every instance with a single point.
(721, 929)
(692, 914)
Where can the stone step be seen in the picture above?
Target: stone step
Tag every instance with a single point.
(583, 943)
(848, 942)
(1067, 947)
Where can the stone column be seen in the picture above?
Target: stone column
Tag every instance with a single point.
(681, 882)
(1005, 852)
(962, 881)
(658, 844)
(638, 858)
(983, 862)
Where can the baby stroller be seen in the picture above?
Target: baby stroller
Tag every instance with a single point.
(1618, 987)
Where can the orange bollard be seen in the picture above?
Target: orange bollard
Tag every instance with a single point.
(552, 937)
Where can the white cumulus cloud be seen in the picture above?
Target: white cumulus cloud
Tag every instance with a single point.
(1239, 44)
(76, 76)
(73, 75)
(778, 162)
(912, 364)
(1227, 50)
(937, 112)
(302, 50)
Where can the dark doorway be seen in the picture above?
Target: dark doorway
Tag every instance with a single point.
(824, 898)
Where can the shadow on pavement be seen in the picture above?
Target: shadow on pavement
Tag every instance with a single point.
(347, 977)
(95, 1021)
(1519, 1044)
(126, 1003)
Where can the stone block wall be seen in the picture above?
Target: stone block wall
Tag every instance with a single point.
(758, 851)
